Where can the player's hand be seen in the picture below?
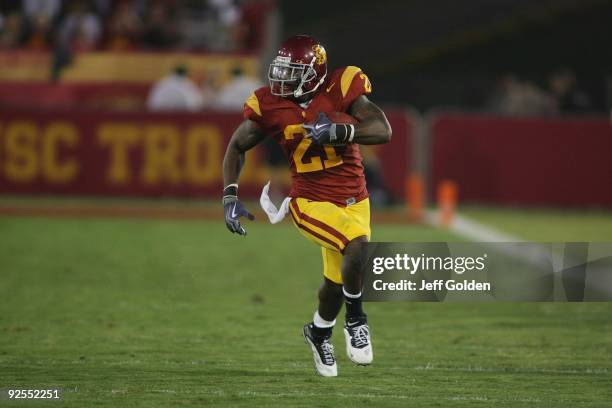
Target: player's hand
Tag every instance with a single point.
(320, 130)
(324, 132)
(233, 209)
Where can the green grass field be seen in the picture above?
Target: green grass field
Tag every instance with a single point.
(182, 313)
(545, 224)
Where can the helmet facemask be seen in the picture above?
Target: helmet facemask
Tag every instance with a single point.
(287, 79)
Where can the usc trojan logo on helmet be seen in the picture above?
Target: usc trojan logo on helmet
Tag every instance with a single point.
(320, 54)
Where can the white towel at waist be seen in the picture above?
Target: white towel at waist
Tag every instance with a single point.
(274, 214)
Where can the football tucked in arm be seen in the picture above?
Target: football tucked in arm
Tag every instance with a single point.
(342, 117)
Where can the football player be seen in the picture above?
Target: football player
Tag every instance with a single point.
(329, 200)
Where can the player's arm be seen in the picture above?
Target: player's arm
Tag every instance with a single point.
(246, 136)
(372, 127)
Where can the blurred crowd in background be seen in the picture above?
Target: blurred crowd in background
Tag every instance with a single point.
(179, 92)
(510, 96)
(433, 68)
(211, 25)
(562, 95)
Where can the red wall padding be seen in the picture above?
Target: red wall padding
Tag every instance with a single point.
(143, 154)
(560, 162)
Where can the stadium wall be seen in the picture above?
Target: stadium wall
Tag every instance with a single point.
(120, 67)
(523, 161)
(492, 160)
(144, 154)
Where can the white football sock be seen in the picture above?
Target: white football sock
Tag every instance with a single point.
(321, 322)
(349, 295)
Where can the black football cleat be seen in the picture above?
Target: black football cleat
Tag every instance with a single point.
(322, 351)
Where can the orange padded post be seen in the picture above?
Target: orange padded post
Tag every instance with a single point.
(447, 202)
(415, 196)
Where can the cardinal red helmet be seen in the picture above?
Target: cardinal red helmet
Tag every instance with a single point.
(299, 68)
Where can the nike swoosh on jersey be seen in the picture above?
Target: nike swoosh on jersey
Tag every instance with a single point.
(330, 87)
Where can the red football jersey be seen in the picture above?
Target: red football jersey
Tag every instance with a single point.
(319, 173)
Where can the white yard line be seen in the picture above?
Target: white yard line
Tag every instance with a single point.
(537, 255)
(472, 229)
(477, 232)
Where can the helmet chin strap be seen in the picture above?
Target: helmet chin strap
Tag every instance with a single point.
(299, 92)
